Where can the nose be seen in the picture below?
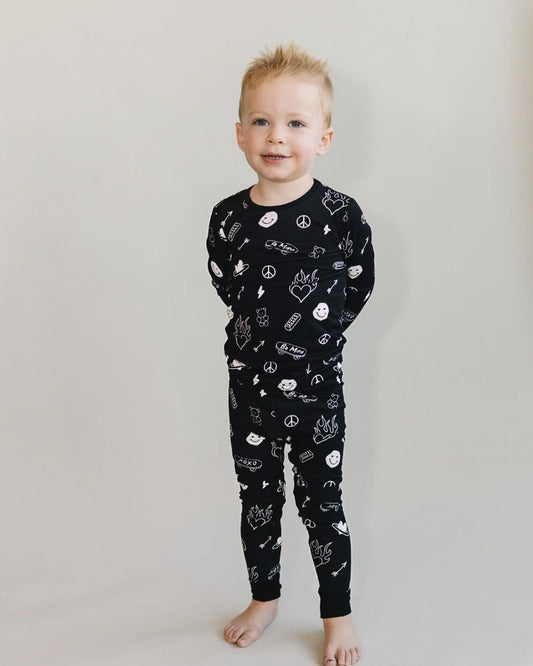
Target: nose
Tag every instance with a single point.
(275, 136)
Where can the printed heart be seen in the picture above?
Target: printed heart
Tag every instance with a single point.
(333, 205)
(301, 292)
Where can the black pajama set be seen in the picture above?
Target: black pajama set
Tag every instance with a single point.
(293, 278)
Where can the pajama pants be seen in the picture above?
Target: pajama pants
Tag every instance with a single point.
(265, 414)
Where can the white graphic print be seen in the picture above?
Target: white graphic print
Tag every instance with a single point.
(281, 487)
(261, 316)
(216, 270)
(363, 218)
(364, 246)
(330, 288)
(268, 272)
(281, 246)
(348, 315)
(287, 384)
(317, 379)
(317, 251)
(324, 339)
(275, 570)
(303, 284)
(338, 265)
(334, 201)
(253, 574)
(309, 523)
(260, 291)
(277, 450)
(341, 528)
(292, 350)
(321, 554)
(325, 429)
(327, 229)
(255, 380)
(270, 367)
(229, 312)
(330, 506)
(321, 311)
(232, 398)
(257, 348)
(268, 219)
(298, 478)
(291, 420)
(240, 268)
(303, 221)
(354, 271)
(234, 228)
(336, 573)
(346, 245)
(258, 517)
(262, 545)
(277, 544)
(333, 401)
(305, 456)
(292, 321)
(333, 459)
(242, 332)
(255, 416)
(254, 439)
(251, 464)
(246, 240)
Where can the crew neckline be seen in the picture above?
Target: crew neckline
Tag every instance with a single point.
(314, 187)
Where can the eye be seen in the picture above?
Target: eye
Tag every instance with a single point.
(295, 123)
(259, 121)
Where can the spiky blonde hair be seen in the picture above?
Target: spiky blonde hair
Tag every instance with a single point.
(289, 60)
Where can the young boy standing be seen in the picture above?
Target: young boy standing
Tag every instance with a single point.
(293, 261)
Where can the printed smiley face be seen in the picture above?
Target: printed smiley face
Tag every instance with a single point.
(287, 384)
(268, 219)
(254, 439)
(355, 271)
(216, 270)
(321, 311)
(333, 459)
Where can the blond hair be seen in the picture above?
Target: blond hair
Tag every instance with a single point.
(288, 60)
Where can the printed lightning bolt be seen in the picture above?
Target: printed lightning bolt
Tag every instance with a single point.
(327, 230)
(260, 291)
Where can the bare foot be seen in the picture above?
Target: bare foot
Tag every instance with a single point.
(341, 643)
(250, 624)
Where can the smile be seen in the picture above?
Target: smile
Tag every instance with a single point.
(274, 158)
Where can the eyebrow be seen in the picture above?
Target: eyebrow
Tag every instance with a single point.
(290, 113)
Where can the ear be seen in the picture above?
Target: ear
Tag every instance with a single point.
(240, 135)
(325, 141)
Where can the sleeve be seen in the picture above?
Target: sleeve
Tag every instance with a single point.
(218, 250)
(358, 251)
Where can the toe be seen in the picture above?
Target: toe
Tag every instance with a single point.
(341, 657)
(329, 660)
(244, 640)
(353, 655)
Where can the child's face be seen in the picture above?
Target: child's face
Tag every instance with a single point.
(283, 129)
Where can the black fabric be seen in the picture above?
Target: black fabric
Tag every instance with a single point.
(293, 278)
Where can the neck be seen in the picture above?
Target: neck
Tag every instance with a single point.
(266, 193)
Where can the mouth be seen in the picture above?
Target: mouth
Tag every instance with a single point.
(273, 157)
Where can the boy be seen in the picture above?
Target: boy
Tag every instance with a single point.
(293, 261)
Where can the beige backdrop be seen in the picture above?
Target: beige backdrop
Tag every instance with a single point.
(119, 517)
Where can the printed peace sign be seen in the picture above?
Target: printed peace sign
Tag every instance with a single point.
(303, 221)
(270, 367)
(291, 420)
(268, 272)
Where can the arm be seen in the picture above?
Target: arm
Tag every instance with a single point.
(356, 244)
(219, 255)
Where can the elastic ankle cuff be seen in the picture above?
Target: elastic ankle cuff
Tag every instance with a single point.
(266, 591)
